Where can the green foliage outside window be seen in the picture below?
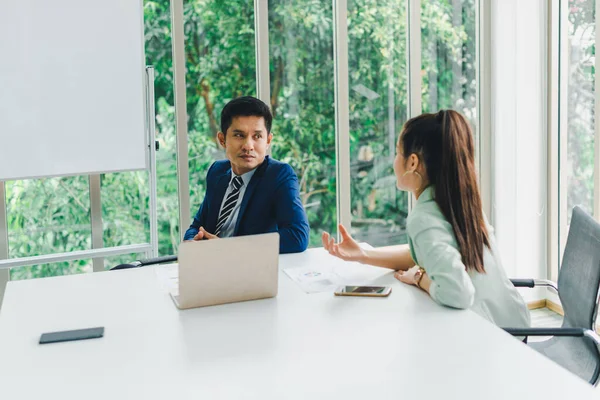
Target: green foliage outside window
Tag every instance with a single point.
(580, 67)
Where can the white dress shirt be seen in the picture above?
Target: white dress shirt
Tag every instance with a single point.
(229, 225)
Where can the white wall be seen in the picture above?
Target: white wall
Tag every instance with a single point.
(519, 137)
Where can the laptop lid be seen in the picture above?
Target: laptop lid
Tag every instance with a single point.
(228, 270)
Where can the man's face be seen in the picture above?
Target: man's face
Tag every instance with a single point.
(245, 143)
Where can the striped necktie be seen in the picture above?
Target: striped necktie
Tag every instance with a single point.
(229, 204)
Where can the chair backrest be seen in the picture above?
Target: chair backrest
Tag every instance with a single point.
(579, 276)
(124, 266)
(148, 261)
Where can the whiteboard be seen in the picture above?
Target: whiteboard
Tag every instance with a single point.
(72, 87)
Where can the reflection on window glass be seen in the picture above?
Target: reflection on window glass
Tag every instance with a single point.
(47, 216)
(378, 87)
(449, 57)
(579, 64)
(302, 101)
(221, 65)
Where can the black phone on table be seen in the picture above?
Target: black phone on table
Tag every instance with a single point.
(66, 336)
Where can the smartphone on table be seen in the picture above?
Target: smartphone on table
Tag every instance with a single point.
(368, 291)
(66, 336)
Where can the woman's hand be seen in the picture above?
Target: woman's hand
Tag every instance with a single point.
(409, 276)
(347, 249)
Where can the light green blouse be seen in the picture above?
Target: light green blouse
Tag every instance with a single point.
(433, 246)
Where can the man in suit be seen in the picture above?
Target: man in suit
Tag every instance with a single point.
(250, 193)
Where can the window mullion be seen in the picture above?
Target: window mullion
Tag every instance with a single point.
(4, 273)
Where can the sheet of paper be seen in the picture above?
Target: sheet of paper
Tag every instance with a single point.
(319, 277)
(313, 280)
(168, 278)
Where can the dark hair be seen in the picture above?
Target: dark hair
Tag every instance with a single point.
(444, 142)
(245, 107)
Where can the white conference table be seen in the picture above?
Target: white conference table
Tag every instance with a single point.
(294, 346)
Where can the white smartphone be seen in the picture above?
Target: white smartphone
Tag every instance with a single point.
(369, 291)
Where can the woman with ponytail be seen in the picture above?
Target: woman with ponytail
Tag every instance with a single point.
(451, 251)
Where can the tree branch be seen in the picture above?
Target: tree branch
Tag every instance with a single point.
(205, 93)
(277, 84)
(309, 194)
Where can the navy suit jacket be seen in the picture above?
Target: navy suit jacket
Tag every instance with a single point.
(271, 203)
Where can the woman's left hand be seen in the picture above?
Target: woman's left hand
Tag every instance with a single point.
(408, 276)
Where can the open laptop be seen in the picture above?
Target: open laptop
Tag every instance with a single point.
(227, 270)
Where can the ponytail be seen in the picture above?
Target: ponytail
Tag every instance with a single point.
(445, 143)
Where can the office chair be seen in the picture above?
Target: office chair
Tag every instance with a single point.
(143, 263)
(575, 345)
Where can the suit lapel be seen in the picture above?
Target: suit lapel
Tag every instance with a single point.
(217, 199)
(254, 182)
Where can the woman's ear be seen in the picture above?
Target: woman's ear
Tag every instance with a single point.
(413, 162)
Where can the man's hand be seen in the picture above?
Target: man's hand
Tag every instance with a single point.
(204, 235)
(199, 235)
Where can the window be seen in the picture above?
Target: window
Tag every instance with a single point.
(448, 57)
(576, 143)
(125, 212)
(302, 101)
(221, 65)
(378, 87)
(48, 216)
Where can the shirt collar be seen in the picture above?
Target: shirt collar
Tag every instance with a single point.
(427, 195)
(245, 177)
